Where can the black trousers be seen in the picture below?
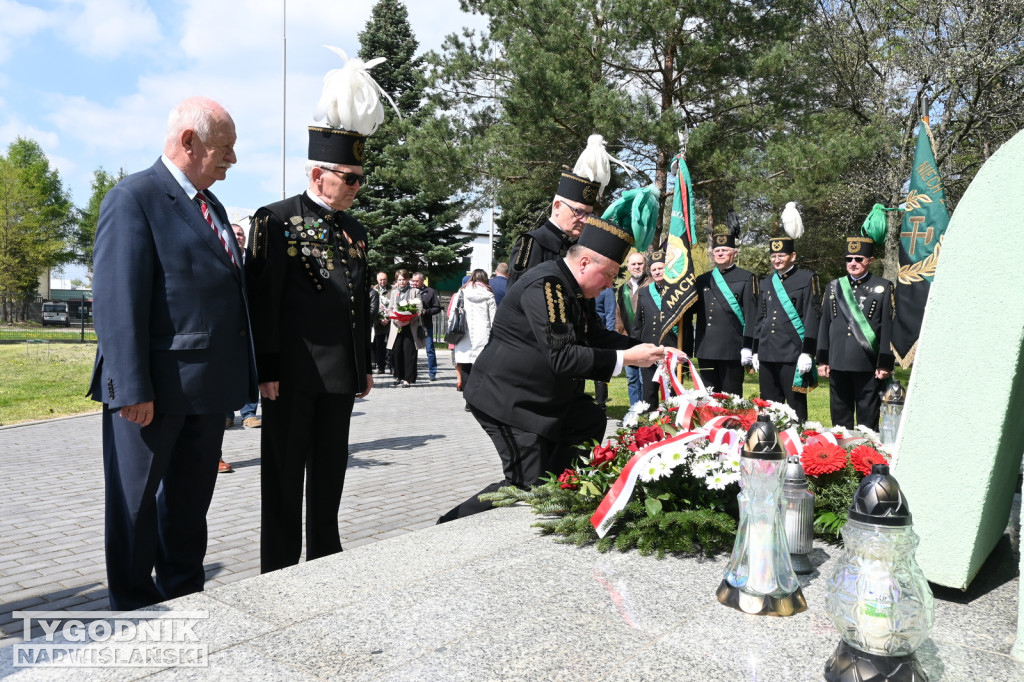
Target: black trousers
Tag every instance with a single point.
(159, 483)
(849, 391)
(526, 456)
(776, 383)
(403, 355)
(651, 393)
(304, 440)
(380, 347)
(724, 375)
(601, 394)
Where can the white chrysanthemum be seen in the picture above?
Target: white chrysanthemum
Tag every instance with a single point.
(731, 477)
(654, 470)
(639, 406)
(675, 401)
(674, 459)
(702, 467)
(813, 426)
(693, 395)
(716, 481)
(630, 420)
(653, 416)
(731, 461)
(871, 435)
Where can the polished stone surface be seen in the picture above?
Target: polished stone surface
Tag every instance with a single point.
(489, 598)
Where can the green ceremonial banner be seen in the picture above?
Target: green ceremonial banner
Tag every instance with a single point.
(680, 293)
(925, 219)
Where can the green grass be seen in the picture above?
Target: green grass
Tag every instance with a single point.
(817, 400)
(40, 333)
(43, 380)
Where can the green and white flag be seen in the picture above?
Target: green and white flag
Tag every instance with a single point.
(925, 218)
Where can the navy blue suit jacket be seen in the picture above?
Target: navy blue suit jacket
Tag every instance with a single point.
(170, 308)
(499, 284)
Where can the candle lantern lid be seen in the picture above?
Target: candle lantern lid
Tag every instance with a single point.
(895, 394)
(763, 441)
(879, 500)
(795, 471)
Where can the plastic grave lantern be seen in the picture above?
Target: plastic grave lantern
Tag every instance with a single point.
(877, 596)
(759, 578)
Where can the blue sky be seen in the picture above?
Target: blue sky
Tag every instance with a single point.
(93, 80)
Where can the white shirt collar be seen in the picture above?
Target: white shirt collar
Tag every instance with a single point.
(319, 202)
(182, 179)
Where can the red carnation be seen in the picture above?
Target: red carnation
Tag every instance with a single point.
(747, 418)
(569, 480)
(821, 457)
(808, 434)
(720, 396)
(646, 435)
(863, 456)
(761, 403)
(602, 454)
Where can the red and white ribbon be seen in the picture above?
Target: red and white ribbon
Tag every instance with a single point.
(667, 378)
(620, 492)
(790, 439)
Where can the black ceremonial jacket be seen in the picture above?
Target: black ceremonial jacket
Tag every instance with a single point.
(309, 297)
(545, 343)
(719, 334)
(776, 339)
(647, 321)
(545, 243)
(837, 346)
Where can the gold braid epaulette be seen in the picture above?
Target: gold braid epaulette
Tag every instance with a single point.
(525, 249)
(260, 235)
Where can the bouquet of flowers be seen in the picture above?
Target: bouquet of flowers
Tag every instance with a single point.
(668, 479)
(404, 311)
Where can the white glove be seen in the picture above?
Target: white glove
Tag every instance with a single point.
(754, 363)
(804, 363)
(745, 356)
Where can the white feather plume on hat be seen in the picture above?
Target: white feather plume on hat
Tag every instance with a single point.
(351, 98)
(595, 163)
(791, 221)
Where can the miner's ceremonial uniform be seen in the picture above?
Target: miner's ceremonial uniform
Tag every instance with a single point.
(527, 385)
(309, 292)
(548, 242)
(726, 319)
(646, 328)
(786, 327)
(544, 244)
(853, 340)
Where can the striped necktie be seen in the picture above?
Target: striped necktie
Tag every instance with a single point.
(205, 208)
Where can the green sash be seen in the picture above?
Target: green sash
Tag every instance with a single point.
(727, 294)
(863, 332)
(798, 324)
(628, 300)
(656, 295)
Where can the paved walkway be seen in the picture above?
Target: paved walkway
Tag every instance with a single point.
(415, 453)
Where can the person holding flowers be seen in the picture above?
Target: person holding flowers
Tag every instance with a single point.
(404, 340)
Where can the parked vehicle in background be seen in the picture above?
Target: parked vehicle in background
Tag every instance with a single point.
(56, 313)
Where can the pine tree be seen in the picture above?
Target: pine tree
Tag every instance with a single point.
(413, 225)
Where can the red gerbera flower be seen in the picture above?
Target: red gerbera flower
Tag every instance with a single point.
(863, 456)
(821, 457)
(808, 434)
(720, 396)
(761, 403)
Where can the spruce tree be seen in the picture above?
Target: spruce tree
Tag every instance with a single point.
(413, 225)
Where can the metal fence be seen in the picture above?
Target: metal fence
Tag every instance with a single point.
(72, 334)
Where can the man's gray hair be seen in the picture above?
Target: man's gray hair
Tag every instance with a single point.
(193, 114)
(310, 165)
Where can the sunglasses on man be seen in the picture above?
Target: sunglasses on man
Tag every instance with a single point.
(349, 178)
(855, 259)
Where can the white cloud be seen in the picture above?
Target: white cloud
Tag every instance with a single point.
(20, 23)
(108, 28)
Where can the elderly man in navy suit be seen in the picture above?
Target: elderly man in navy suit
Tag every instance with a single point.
(174, 355)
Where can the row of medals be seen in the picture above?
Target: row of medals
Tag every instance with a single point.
(324, 256)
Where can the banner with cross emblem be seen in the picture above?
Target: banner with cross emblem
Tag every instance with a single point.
(925, 218)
